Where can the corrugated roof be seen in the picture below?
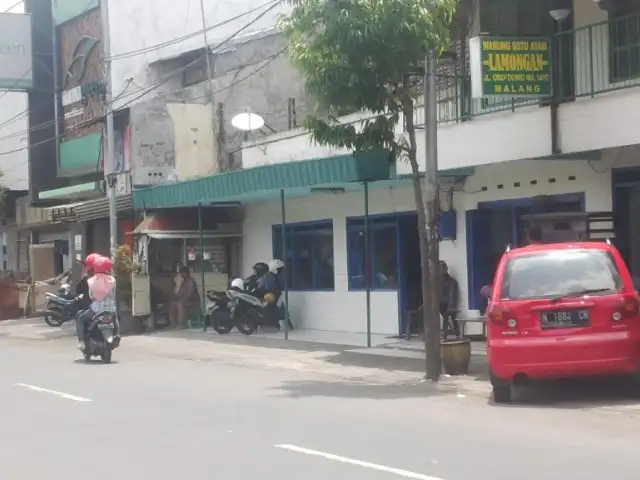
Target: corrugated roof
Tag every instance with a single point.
(264, 183)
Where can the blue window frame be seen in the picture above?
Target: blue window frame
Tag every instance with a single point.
(383, 253)
(309, 256)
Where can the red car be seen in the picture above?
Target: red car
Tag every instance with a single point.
(561, 310)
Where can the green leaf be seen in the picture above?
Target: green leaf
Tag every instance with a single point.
(363, 55)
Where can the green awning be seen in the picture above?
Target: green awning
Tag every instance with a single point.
(260, 184)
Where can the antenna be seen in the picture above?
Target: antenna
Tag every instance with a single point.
(247, 121)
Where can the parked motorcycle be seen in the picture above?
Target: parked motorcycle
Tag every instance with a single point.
(246, 311)
(101, 338)
(61, 307)
(218, 314)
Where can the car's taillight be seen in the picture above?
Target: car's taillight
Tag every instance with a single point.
(629, 308)
(501, 316)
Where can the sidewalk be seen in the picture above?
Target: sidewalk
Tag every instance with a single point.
(386, 364)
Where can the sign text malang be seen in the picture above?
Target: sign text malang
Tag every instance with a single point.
(516, 67)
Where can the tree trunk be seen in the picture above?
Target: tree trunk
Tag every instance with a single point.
(429, 258)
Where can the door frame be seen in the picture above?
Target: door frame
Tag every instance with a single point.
(512, 204)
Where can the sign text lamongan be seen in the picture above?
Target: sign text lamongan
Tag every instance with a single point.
(15, 51)
(510, 67)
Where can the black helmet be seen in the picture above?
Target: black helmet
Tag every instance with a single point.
(260, 269)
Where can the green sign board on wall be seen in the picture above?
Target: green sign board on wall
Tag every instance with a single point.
(510, 67)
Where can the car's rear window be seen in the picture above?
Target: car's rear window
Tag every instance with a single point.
(548, 274)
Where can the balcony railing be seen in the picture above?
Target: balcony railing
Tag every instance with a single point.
(587, 61)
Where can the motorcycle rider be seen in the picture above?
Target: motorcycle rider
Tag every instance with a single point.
(269, 288)
(102, 292)
(260, 269)
(82, 288)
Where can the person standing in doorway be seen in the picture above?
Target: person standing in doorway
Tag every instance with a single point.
(448, 301)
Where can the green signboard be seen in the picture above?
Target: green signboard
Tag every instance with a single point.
(512, 67)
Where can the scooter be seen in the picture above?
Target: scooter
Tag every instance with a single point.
(61, 307)
(217, 312)
(101, 338)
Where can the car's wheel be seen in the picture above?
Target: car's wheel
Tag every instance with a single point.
(501, 389)
(86, 355)
(502, 393)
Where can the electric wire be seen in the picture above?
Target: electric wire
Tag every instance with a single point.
(158, 46)
(147, 89)
(13, 6)
(272, 4)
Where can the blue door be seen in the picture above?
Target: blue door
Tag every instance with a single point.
(479, 264)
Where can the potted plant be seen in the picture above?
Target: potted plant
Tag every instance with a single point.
(456, 356)
(123, 268)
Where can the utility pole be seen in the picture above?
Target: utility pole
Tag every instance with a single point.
(432, 303)
(56, 80)
(110, 174)
(214, 130)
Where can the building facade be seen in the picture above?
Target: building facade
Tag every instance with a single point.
(499, 160)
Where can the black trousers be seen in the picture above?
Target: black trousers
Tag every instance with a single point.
(449, 322)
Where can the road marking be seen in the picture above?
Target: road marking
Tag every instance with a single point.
(54, 392)
(359, 463)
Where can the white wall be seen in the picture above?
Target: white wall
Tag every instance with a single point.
(605, 121)
(500, 137)
(145, 23)
(346, 311)
(14, 126)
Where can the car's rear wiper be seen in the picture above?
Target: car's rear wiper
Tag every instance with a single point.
(579, 293)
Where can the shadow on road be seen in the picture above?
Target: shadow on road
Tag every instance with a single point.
(94, 362)
(579, 394)
(301, 389)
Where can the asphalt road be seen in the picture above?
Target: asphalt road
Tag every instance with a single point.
(161, 418)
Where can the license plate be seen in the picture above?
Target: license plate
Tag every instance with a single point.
(104, 326)
(565, 318)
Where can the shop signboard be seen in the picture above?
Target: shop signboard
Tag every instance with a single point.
(16, 63)
(510, 67)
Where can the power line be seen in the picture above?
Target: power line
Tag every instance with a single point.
(13, 6)
(146, 89)
(271, 4)
(89, 6)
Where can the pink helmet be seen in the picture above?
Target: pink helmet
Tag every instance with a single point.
(90, 261)
(102, 265)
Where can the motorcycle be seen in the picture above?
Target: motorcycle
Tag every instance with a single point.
(101, 338)
(61, 307)
(218, 314)
(248, 311)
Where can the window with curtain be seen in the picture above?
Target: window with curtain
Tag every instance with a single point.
(309, 255)
(383, 235)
